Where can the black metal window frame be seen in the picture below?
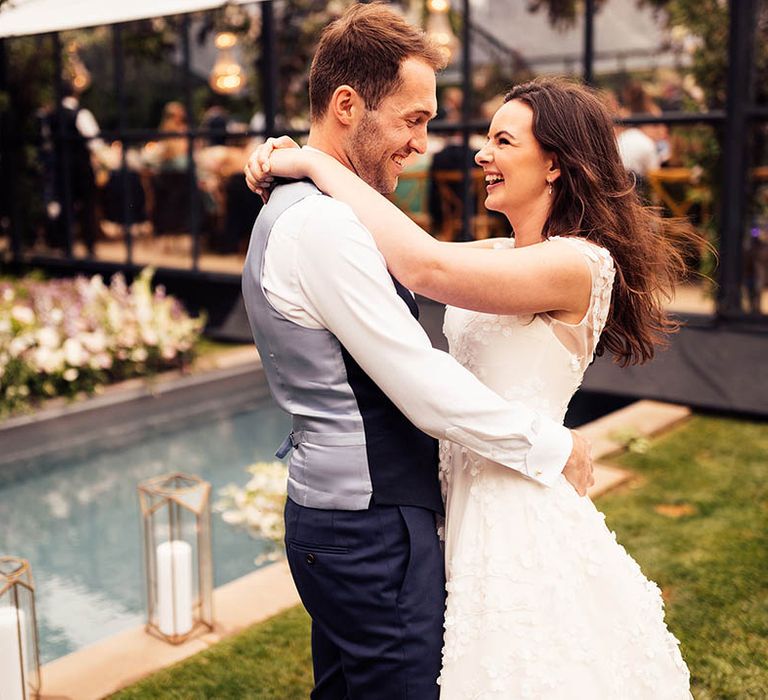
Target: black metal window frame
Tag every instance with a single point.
(741, 112)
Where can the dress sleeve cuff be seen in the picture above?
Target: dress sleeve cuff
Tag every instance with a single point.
(550, 449)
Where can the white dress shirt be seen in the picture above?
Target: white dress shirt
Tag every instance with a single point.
(85, 123)
(322, 269)
(638, 152)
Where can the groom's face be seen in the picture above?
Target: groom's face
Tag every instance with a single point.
(385, 137)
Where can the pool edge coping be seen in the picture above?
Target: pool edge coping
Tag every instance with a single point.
(119, 661)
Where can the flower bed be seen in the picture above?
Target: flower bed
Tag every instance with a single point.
(63, 337)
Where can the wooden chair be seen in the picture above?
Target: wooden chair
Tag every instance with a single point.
(449, 187)
(411, 197)
(678, 190)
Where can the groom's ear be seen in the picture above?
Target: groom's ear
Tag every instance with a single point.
(346, 105)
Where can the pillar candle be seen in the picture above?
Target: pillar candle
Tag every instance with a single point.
(11, 687)
(174, 587)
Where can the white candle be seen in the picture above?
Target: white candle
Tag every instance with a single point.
(11, 686)
(174, 587)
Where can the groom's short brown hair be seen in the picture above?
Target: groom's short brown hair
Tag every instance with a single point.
(364, 49)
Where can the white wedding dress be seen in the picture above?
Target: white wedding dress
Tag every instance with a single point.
(543, 603)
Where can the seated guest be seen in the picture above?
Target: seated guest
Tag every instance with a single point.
(453, 158)
(172, 152)
(638, 152)
(216, 120)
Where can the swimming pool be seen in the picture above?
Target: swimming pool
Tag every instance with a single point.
(75, 516)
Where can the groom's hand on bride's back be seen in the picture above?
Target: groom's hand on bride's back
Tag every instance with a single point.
(578, 469)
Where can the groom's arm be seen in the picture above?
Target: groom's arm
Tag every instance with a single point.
(344, 280)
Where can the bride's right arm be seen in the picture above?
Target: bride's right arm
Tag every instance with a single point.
(513, 281)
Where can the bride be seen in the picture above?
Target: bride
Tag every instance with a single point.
(584, 274)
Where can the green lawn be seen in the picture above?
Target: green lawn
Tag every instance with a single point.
(707, 548)
(270, 661)
(695, 518)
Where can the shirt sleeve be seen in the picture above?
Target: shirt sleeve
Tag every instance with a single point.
(89, 128)
(345, 280)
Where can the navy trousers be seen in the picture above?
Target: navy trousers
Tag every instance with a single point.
(373, 582)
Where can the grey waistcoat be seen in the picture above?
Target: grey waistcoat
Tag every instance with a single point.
(353, 447)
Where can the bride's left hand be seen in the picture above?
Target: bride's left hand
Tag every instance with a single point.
(260, 168)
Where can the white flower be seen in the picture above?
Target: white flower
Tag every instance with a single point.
(46, 360)
(48, 337)
(23, 314)
(258, 506)
(101, 361)
(74, 353)
(139, 354)
(19, 344)
(70, 374)
(149, 336)
(95, 342)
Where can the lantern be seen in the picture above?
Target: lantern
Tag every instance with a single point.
(439, 28)
(19, 649)
(78, 74)
(176, 524)
(227, 76)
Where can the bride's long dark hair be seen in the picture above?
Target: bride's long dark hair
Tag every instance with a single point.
(595, 198)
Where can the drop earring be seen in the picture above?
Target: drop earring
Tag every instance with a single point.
(551, 188)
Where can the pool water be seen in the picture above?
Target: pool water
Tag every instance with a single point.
(76, 518)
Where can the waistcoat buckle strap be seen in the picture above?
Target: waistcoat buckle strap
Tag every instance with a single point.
(309, 437)
(328, 439)
(285, 447)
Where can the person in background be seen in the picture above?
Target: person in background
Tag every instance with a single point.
(454, 157)
(636, 100)
(70, 138)
(216, 120)
(171, 152)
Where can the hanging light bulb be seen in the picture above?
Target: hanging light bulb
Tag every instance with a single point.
(439, 28)
(227, 76)
(77, 73)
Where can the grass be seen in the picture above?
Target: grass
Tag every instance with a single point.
(270, 661)
(695, 518)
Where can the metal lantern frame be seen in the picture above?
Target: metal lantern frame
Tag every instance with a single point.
(171, 506)
(17, 587)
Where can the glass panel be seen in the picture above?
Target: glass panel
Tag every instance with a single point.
(513, 42)
(230, 207)
(298, 27)
(760, 48)
(755, 288)
(688, 186)
(152, 71)
(656, 61)
(28, 164)
(151, 199)
(430, 191)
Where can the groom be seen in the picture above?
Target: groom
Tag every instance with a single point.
(343, 352)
